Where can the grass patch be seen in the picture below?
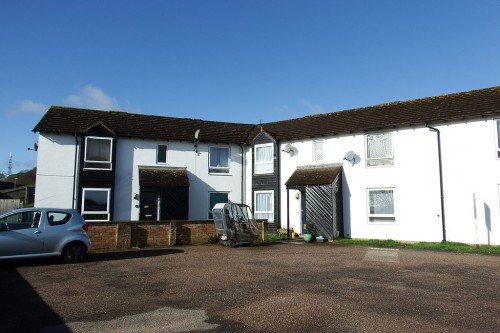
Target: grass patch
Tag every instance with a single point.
(441, 246)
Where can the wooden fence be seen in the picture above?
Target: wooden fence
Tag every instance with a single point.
(9, 204)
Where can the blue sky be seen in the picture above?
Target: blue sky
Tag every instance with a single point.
(232, 60)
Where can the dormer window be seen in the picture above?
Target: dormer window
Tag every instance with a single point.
(98, 152)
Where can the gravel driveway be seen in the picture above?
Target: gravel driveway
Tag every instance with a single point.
(293, 287)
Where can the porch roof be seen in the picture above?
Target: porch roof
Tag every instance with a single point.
(314, 175)
(162, 176)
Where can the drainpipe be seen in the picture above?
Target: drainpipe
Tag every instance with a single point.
(74, 174)
(243, 172)
(278, 181)
(440, 178)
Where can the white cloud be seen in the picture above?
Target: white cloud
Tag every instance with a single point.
(91, 97)
(303, 108)
(28, 106)
(312, 108)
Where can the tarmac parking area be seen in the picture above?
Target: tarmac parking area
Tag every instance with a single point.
(292, 287)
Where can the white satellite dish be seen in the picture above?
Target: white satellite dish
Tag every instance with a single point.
(350, 156)
(287, 148)
(196, 135)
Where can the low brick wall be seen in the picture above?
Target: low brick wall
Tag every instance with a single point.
(126, 234)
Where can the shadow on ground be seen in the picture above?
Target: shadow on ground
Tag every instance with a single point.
(21, 308)
(131, 254)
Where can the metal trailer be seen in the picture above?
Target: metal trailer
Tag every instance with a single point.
(234, 224)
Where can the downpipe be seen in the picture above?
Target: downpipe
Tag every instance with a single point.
(443, 221)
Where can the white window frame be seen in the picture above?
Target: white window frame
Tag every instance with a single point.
(497, 130)
(106, 212)
(258, 164)
(321, 145)
(377, 218)
(269, 212)
(158, 153)
(218, 170)
(107, 163)
(379, 161)
(210, 217)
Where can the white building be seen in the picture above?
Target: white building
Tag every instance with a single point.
(421, 170)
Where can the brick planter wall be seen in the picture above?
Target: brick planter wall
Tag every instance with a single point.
(126, 234)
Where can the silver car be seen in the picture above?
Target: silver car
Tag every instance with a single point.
(41, 232)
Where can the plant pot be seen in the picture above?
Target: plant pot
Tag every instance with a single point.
(309, 238)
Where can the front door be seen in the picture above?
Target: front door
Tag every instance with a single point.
(149, 206)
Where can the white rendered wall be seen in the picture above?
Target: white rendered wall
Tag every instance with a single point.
(415, 180)
(132, 153)
(55, 171)
(471, 169)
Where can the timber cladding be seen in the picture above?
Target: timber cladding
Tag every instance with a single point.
(122, 235)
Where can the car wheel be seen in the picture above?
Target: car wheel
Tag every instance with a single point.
(74, 253)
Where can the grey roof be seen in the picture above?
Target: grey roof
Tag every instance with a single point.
(123, 124)
(314, 175)
(419, 112)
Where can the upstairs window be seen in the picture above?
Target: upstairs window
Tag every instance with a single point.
(98, 152)
(317, 151)
(264, 158)
(218, 160)
(161, 154)
(379, 149)
(381, 205)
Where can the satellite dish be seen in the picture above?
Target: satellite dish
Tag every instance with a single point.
(287, 148)
(35, 147)
(197, 134)
(351, 157)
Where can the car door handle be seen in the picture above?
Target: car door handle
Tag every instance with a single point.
(38, 232)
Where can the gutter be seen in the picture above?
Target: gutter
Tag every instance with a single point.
(443, 223)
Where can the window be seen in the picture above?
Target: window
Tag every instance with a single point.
(379, 149)
(23, 220)
(58, 218)
(95, 204)
(264, 158)
(98, 153)
(381, 205)
(317, 151)
(219, 160)
(215, 198)
(264, 205)
(498, 138)
(161, 154)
